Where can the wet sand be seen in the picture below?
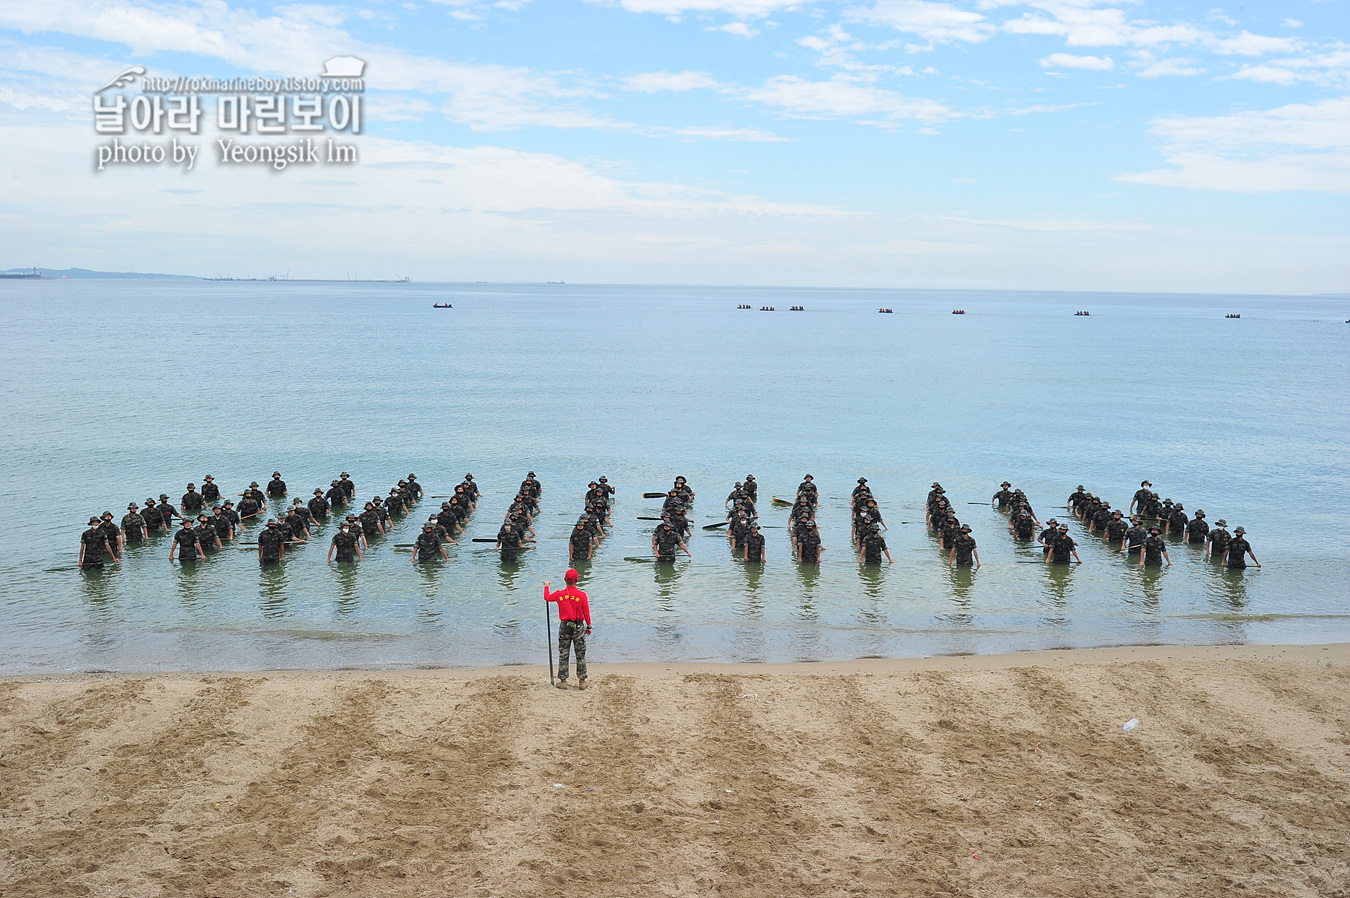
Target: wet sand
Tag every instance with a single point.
(979, 776)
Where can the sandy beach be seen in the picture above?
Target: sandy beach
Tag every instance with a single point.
(981, 776)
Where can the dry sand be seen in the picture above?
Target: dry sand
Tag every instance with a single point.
(990, 776)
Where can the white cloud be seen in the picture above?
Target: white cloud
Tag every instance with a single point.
(1146, 65)
(483, 97)
(655, 82)
(1036, 110)
(1082, 24)
(1330, 68)
(838, 50)
(1069, 61)
(1047, 224)
(934, 22)
(841, 97)
(1302, 146)
(1292, 23)
(1248, 44)
(740, 29)
(1263, 73)
(747, 135)
(739, 8)
(398, 108)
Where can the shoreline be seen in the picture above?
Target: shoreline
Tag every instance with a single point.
(1337, 652)
(951, 775)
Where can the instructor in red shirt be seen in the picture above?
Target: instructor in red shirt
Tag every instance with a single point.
(574, 625)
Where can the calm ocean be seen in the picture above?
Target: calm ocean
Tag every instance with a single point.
(118, 390)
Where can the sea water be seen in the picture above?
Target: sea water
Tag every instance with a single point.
(119, 390)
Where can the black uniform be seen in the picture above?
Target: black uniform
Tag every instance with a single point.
(110, 533)
(965, 549)
(428, 546)
(1116, 530)
(95, 544)
(1023, 527)
(188, 544)
(1048, 537)
(224, 526)
(349, 487)
(270, 542)
(1218, 541)
(581, 544)
(276, 487)
(133, 527)
(510, 541)
(1141, 496)
(667, 542)
(1134, 538)
(808, 545)
(873, 545)
(1196, 531)
(318, 507)
(1003, 496)
(345, 544)
(336, 495)
(754, 544)
(1062, 550)
(370, 522)
(210, 492)
(1237, 552)
(192, 502)
(1153, 550)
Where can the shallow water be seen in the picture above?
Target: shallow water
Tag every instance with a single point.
(120, 390)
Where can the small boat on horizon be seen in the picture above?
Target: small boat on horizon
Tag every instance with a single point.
(1233, 315)
(441, 305)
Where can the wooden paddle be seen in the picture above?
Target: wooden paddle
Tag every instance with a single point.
(776, 501)
(653, 495)
(716, 526)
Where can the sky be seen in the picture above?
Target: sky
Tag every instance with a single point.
(980, 144)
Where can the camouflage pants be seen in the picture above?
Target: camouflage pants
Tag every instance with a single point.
(571, 633)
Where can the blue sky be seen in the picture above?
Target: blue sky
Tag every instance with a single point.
(1051, 144)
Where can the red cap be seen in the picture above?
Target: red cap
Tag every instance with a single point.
(570, 576)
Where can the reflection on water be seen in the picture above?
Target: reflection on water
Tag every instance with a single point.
(272, 589)
(1151, 579)
(348, 595)
(1059, 583)
(753, 603)
(961, 579)
(508, 571)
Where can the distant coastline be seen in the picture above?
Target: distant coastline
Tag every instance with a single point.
(56, 274)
